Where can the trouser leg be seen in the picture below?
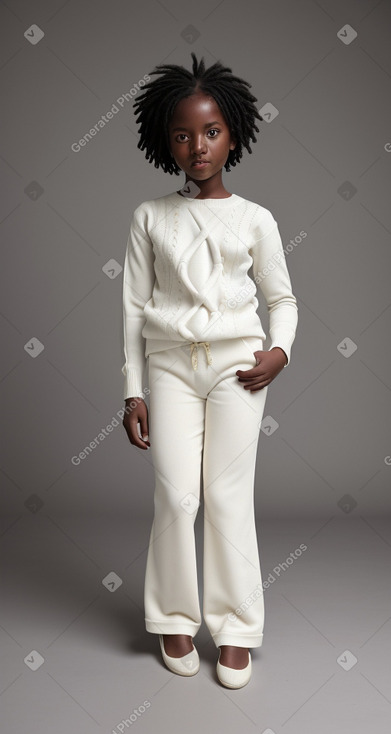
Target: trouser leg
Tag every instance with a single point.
(233, 603)
(176, 430)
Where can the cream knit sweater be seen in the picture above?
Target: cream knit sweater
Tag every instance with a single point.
(185, 278)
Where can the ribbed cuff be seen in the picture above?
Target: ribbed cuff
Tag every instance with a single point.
(133, 384)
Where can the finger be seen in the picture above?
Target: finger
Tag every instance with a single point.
(135, 438)
(252, 371)
(144, 431)
(256, 385)
(250, 376)
(140, 444)
(253, 388)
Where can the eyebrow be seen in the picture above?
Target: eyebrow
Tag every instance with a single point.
(208, 124)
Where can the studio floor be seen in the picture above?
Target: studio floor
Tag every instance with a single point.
(76, 658)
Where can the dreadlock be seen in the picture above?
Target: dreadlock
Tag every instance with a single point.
(157, 102)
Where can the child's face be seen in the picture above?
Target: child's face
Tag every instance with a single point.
(198, 129)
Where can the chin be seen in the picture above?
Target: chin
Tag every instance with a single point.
(193, 173)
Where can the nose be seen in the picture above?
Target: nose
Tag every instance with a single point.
(199, 145)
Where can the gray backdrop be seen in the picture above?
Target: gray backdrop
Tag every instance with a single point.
(321, 165)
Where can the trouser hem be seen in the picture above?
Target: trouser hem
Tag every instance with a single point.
(171, 628)
(237, 640)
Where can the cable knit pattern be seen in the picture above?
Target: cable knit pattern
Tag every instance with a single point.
(186, 278)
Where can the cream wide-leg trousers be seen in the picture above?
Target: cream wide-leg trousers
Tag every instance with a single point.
(200, 413)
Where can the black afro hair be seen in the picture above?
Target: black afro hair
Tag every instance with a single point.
(156, 104)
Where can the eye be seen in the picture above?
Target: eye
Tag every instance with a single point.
(180, 136)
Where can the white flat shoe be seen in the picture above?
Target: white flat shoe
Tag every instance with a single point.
(188, 664)
(231, 677)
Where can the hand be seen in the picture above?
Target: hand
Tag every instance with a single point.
(136, 412)
(269, 364)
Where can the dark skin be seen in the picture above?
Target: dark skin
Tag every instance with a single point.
(198, 129)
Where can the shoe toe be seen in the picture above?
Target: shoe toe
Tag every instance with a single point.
(188, 664)
(232, 677)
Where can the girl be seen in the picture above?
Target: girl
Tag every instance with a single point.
(190, 314)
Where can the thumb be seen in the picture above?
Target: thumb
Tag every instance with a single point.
(144, 429)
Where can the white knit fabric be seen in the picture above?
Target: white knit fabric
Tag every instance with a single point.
(186, 278)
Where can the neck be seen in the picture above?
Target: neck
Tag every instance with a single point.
(211, 188)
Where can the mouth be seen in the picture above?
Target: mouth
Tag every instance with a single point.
(199, 164)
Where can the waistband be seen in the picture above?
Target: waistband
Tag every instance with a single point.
(157, 345)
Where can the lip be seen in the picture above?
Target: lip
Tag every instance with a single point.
(199, 164)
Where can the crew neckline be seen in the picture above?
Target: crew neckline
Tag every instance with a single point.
(227, 201)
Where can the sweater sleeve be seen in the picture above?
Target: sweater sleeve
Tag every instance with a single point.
(138, 282)
(272, 277)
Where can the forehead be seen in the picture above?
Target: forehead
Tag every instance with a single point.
(198, 108)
